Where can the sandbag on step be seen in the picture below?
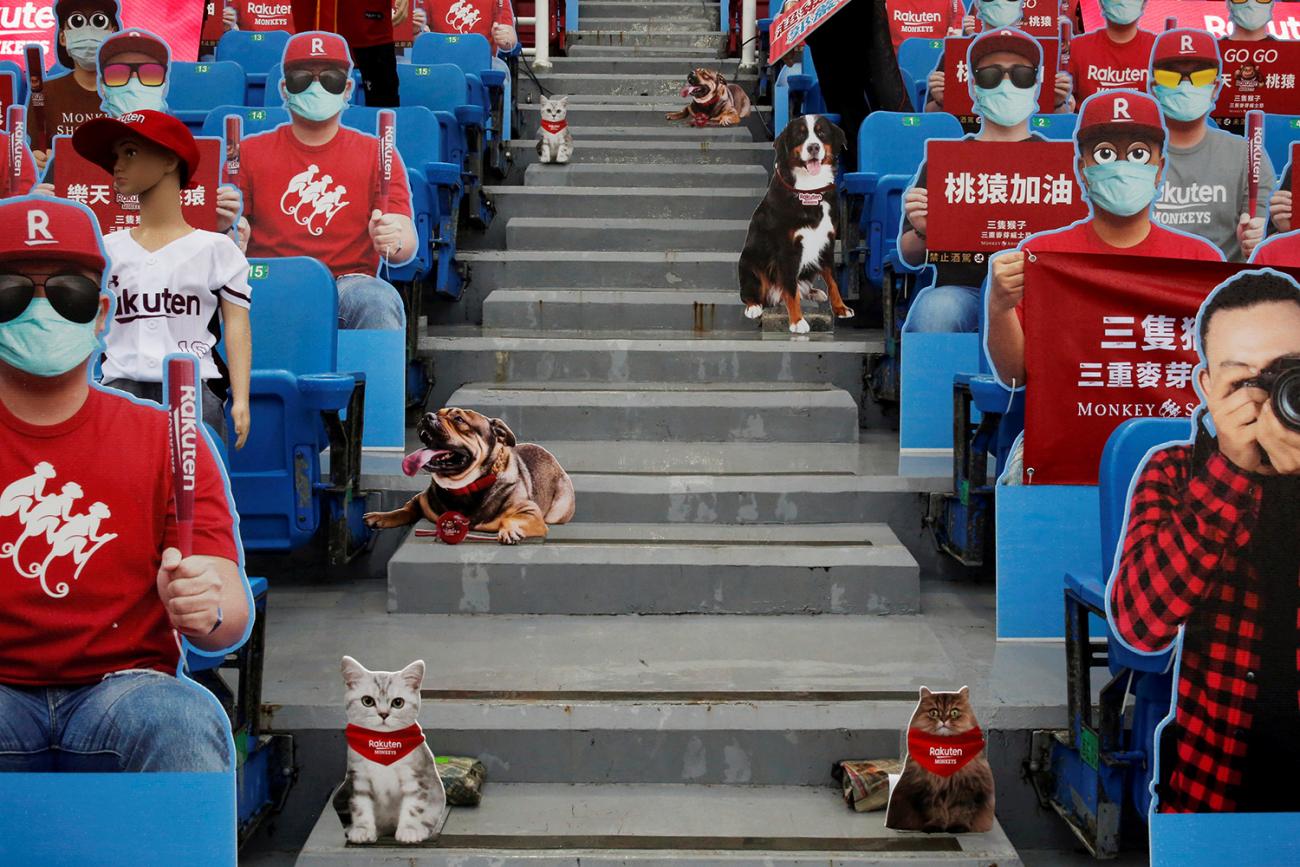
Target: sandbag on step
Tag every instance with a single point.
(865, 782)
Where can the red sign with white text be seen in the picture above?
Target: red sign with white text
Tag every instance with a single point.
(956, 90)
(792, 26)
(1107, 338)
(30, 21)
(1211, 15)
(1042, 17)
(988, 196)
(924, 19)
(1257, 76)
(80, 180)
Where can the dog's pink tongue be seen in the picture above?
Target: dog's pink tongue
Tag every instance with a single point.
(686, 91)
(412, 463)
(813, 166)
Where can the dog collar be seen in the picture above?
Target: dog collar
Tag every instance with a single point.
(554, 126)
(809, 198)
(482, 483)
(384, 747)
(941, 755)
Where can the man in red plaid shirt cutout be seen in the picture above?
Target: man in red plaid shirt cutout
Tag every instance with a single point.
(1213, 548)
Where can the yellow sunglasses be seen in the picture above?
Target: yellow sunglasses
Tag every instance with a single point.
(1199, 78)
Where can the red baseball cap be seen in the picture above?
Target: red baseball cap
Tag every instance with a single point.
(1128, 110)
(1005, 39)
(95, 139)
(134, 40)
(42, 227)
(1185, 44)
(317, 46)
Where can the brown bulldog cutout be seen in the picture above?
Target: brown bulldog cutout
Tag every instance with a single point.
(947, 784)
(480, 472)
(714, 102)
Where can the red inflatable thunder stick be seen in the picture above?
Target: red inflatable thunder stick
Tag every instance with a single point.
(1254, 158)
(16, 123)
(36, 80)
(183, 421)
(387, 147)
(234, 132)
(1063, 50)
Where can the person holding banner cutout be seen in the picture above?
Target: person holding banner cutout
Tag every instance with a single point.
(94, 592)
(179, 289)
(1212, 553)
(311, 187)
(1250, 20)
(1014, 59)
(72, 99)
(1206, 190)
(1000, 14)
(1117, 55)
(1121, 141)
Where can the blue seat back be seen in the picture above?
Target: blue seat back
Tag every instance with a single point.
(294, 319)
(419, 139)
(435, 86)
(271, 95)
(255, 51)
(470, 51)
(1056, 127)
(891, 143)
(255, 119)
(204, 86)
(1280, 131)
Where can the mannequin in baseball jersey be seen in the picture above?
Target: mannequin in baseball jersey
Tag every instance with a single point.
(178, 289)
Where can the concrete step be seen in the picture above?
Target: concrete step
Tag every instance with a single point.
(668, 85)
(589, 49)
(587, 269)
(663, 131)
(680, 37)
(668, 411)
(603, 310)
(649, 21)
(547, 233)
(611, 569)
(660, 202)
(464, 355)
(606, 9)
(655, 175)
(706, 151)
(640, 64)
(689, 825)
(626, 113)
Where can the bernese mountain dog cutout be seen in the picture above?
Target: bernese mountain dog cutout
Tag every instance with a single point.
(791, 236)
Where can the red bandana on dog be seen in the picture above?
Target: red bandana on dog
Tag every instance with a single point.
(941, 755)
(384, 747)
(554, 126)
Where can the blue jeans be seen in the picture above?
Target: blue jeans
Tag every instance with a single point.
(948, 309)
(369, 303)
(134, 720)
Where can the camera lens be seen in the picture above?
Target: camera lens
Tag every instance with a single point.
(1285, 397)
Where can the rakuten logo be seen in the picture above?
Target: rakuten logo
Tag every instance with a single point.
(28, 18)
(269, 9)
(916, 18)
(1109, 76)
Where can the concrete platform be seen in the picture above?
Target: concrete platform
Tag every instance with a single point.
(662, 569)
(553, 825)
(662, 130)
(590, 175)
(579, 48)
(599, 310)
(710, 40)
(640, 64)
(668, 84)
(642, 114)
(641, 235)
(623, 9)
(625, 202)
(609, 150)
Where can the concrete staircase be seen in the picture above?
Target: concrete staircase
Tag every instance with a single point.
(724, 483)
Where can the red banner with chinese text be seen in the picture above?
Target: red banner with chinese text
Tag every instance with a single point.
(1211, 15)
(79, 180)
(792, 26)
(1042, 17)
(1258, 76)
(32, 21)
(988, 196)
(1107, 338)
(956, 90)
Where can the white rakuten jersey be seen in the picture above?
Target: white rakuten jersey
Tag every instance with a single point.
(168, 301)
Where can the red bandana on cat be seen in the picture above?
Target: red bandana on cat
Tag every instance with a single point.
(941, 755)
(384, 747)
(554, 126)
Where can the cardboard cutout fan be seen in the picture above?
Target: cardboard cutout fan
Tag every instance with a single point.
(946, 784)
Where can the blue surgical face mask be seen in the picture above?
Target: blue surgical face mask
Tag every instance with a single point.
(43, 343)
(316, 103)
(132, 96)
(1251, 15)
(1122, 188)
(83, 44)
(1122, 11)
(1006, 104)
(1186, 101)
(1000, 13)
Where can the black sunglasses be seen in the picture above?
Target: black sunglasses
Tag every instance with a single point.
(74, 297)
(1023, 77)
(298, 80)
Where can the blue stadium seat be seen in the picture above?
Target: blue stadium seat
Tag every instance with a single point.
(798, 92)
(1280, 132)
(297, 397)
(272, 98)
(256, 52)
(194, 89)
(917, 58)
(1056, 127)
(488, 85)
(255, 119)
(444, 89)
(435, 192)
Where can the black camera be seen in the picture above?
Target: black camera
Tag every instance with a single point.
(1281, 380)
